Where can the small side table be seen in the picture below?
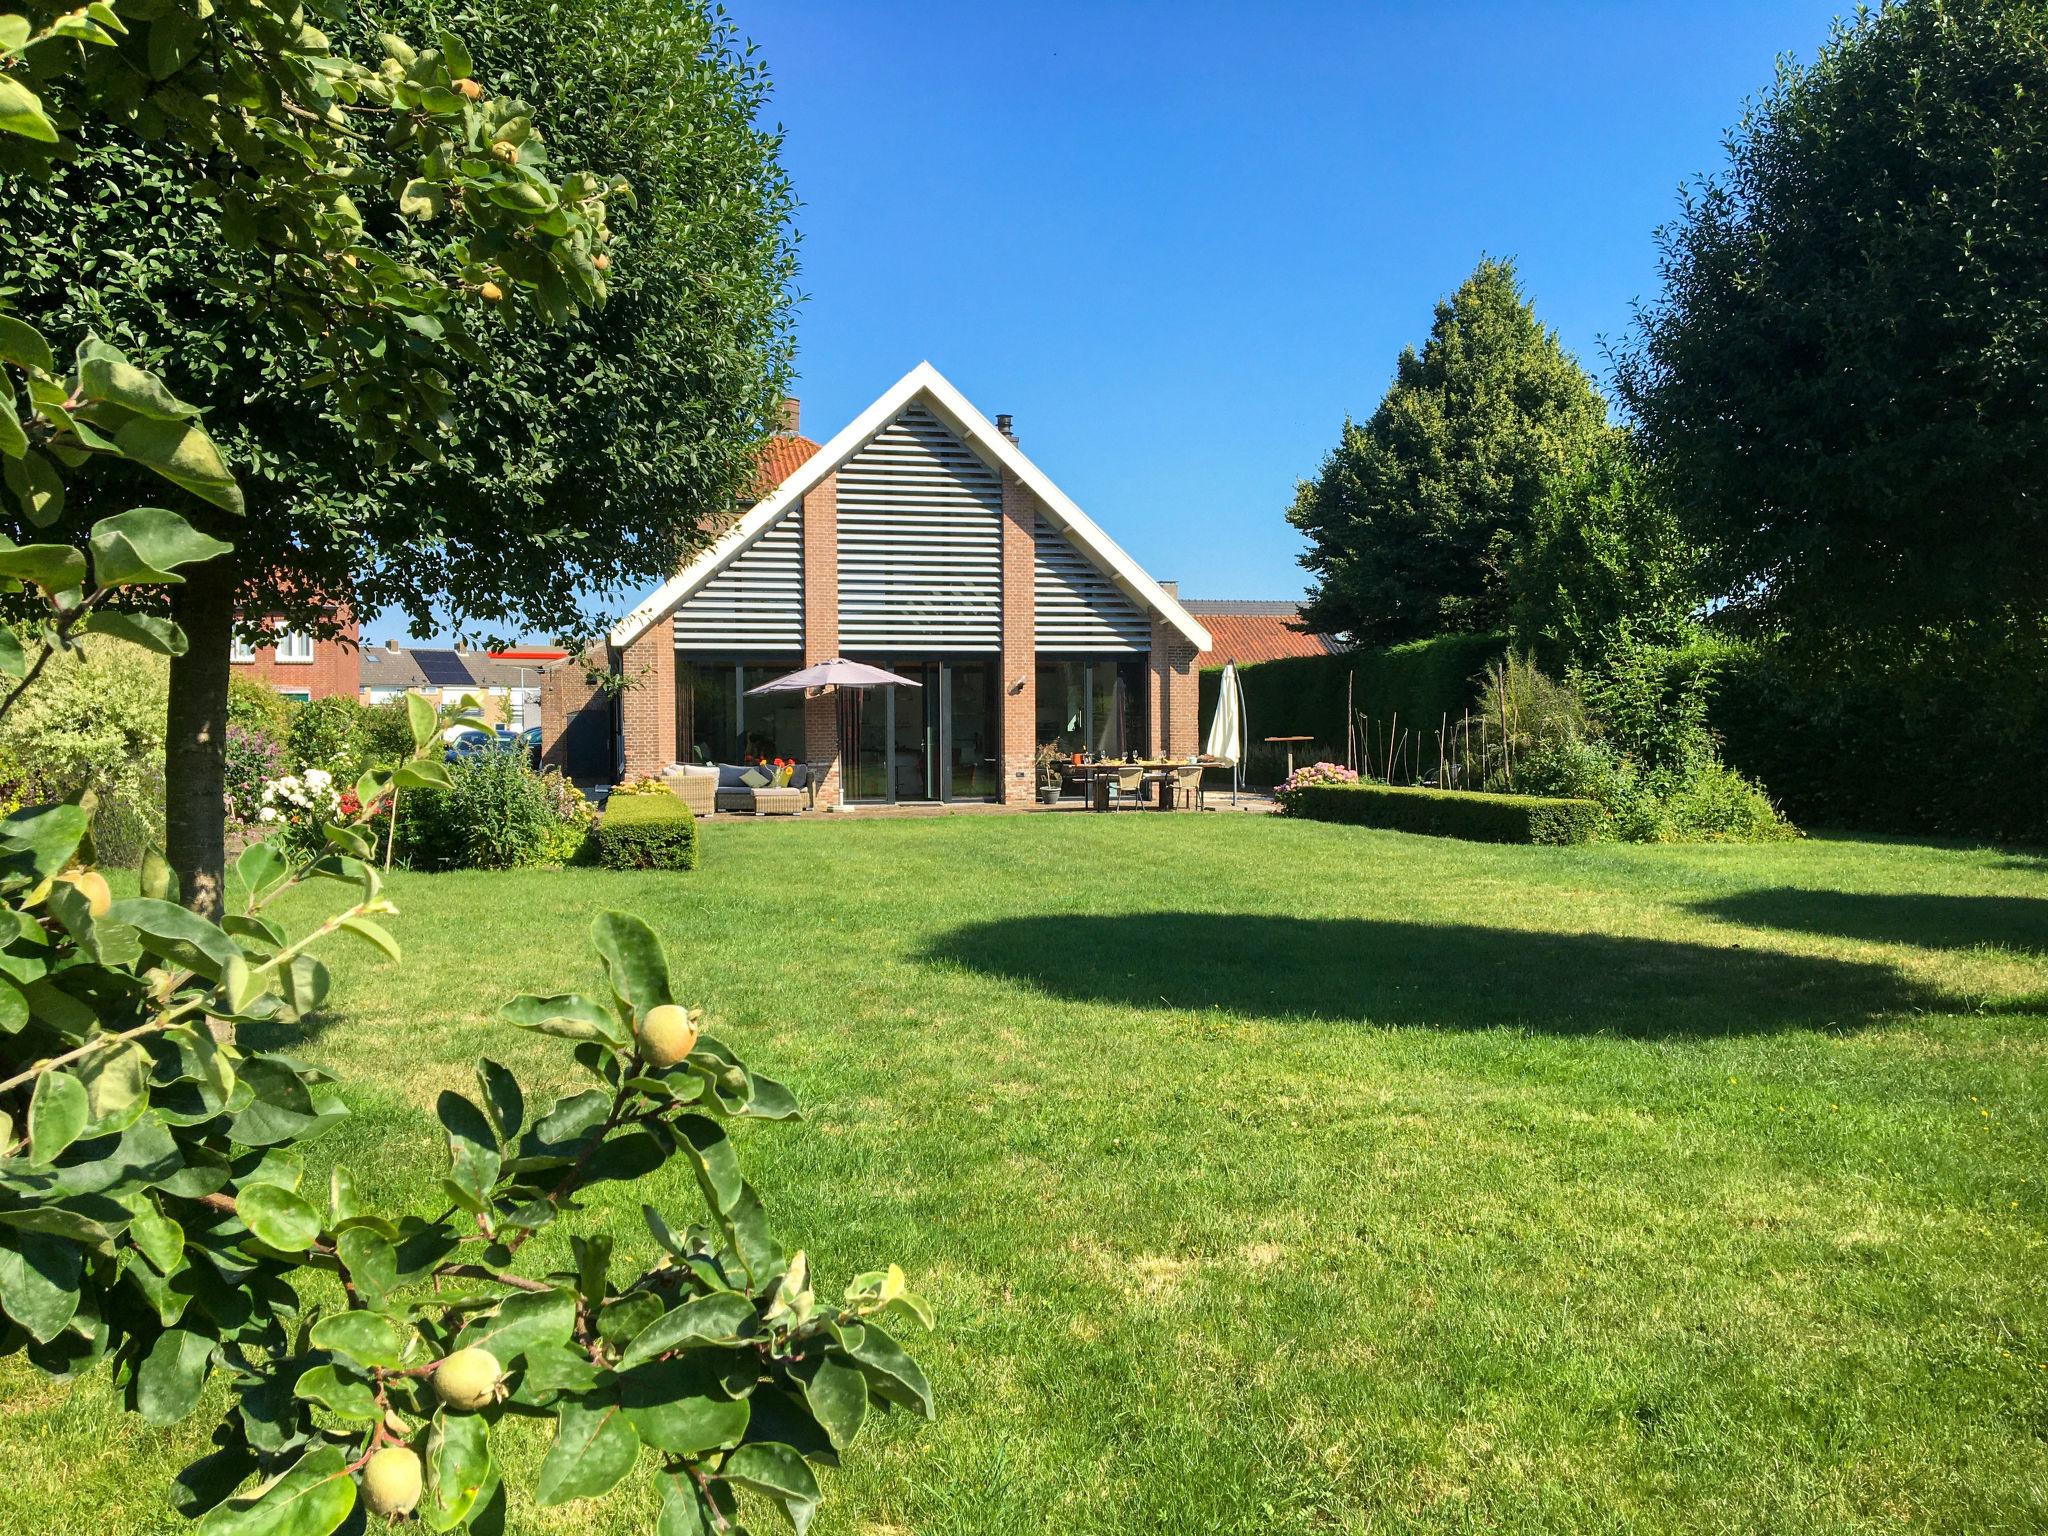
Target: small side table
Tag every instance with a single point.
(778, 802)
(1289, 742)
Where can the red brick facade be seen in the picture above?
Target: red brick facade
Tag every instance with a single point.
(1172, 707)
(336, 667)
(647, 699)
(1017, 676)
(821, 630)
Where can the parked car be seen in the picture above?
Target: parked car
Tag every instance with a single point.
(474, 743)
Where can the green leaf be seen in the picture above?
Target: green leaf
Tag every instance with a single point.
(455, 53)
(159, 636)
(633, 960)
(21, 112)
(458, 1468)
(56, 1114)
(145, 546)
(367, 1338)
(172, 1376)
(372, 1262)
(184, 455)
(53, 567)
(373, 934)
(838, 1397)
(420, 715)
(528, 1321)
(424, 773)
(157, 881)
(594, 1446)
(278, 1217)
(345, 1396)
(161, 1239)
(717, 1318)
(36, 485)
(23, 345)
(567, 1017)
(261, 869)
(473, 1159)
(780, 1472)
(503, 1098)
(683, 1511)
(104, 373)
(710, 1153)
(13, 441)
(312, 1499)
(13, 659)
(39, 1278)
(183, 938)
(891, 1373)
(680, 1406)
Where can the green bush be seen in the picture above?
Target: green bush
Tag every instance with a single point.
(1479, 818)
(384, 732)
(496, 813)
(327, 733)
(647, 832)
(94, 720)
(257, 707)
(1699, 801)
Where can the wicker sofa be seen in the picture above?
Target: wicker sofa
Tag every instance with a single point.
(735, 794)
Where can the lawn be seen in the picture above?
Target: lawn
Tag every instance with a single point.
(1283, 1177)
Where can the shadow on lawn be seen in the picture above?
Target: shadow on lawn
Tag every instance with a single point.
(1930, 921)
(1428, 975)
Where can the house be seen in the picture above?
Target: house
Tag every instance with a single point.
(921, 539)
(1247, 632)
(507, 683)
(299, 666)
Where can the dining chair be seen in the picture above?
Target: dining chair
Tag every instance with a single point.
(1128, 784)
(1187, 786)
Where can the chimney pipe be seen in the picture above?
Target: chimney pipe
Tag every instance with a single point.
(1004, 425)
(791, 413)
(391, 645)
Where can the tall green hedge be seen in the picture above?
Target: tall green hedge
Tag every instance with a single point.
(1451, 813)
(1418, 683)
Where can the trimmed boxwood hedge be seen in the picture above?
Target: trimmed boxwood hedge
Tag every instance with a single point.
(647, 832)
(1450, 813)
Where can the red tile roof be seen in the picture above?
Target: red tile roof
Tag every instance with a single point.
(781, 456)
(1250, 632)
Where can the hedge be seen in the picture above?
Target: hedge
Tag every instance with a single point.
(1419, 683)
(647, 832)
(1451, 813)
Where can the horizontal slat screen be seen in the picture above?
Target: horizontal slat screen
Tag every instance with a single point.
(920, 543)
(756, 604)
(1075, 606)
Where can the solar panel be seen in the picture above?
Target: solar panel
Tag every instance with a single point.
(444, 669)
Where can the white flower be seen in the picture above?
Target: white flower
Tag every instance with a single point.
(318, 778)
(268, 813)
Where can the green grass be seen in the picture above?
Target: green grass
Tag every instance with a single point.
(1272, 1176)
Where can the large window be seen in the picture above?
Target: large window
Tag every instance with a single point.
(1092, 704)
(295, 645)
(717, 722)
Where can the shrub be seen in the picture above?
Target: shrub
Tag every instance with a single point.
(496, 813)
(1477, 817)
(383, 731)
(256, 706)
(327, 733)
(647, 832)
(1308, 776)
(94, 720)
(297, 806)
(252, 760)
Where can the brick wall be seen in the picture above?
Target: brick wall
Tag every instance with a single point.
(821, 628)
(576, 722)
(647, 699)
(1172, 706)
(336, 667)
(1017, 675)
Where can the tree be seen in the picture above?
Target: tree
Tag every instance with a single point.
(155, 1216)
(1602, 562)
(1844, 373)
(587, 452)
(1413, 515)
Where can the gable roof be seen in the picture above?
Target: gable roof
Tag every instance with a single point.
(1247, 632)
(780, 457)
(926, 383)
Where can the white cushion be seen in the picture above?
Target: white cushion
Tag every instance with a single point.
(754, 778)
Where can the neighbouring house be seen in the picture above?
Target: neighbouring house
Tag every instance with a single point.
(507, 683)
(1248, 632)
(923, 540)
(301, 667)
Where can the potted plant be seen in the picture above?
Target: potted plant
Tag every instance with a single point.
(1047, 758)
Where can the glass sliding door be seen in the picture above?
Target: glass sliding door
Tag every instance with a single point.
(933, 742)
(716, 722)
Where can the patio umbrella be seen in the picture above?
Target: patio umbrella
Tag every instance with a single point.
(849, 681)
(1226, 726)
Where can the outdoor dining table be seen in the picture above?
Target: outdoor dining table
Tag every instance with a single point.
(1098, 775)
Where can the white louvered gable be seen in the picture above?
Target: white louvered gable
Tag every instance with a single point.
(920, 543)
(1076, 607)
(755, 605)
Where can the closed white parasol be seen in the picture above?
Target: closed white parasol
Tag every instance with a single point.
(1226, 727)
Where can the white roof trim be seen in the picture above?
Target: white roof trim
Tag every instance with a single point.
(980, 434)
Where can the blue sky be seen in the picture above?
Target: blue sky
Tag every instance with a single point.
(1180, 242)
